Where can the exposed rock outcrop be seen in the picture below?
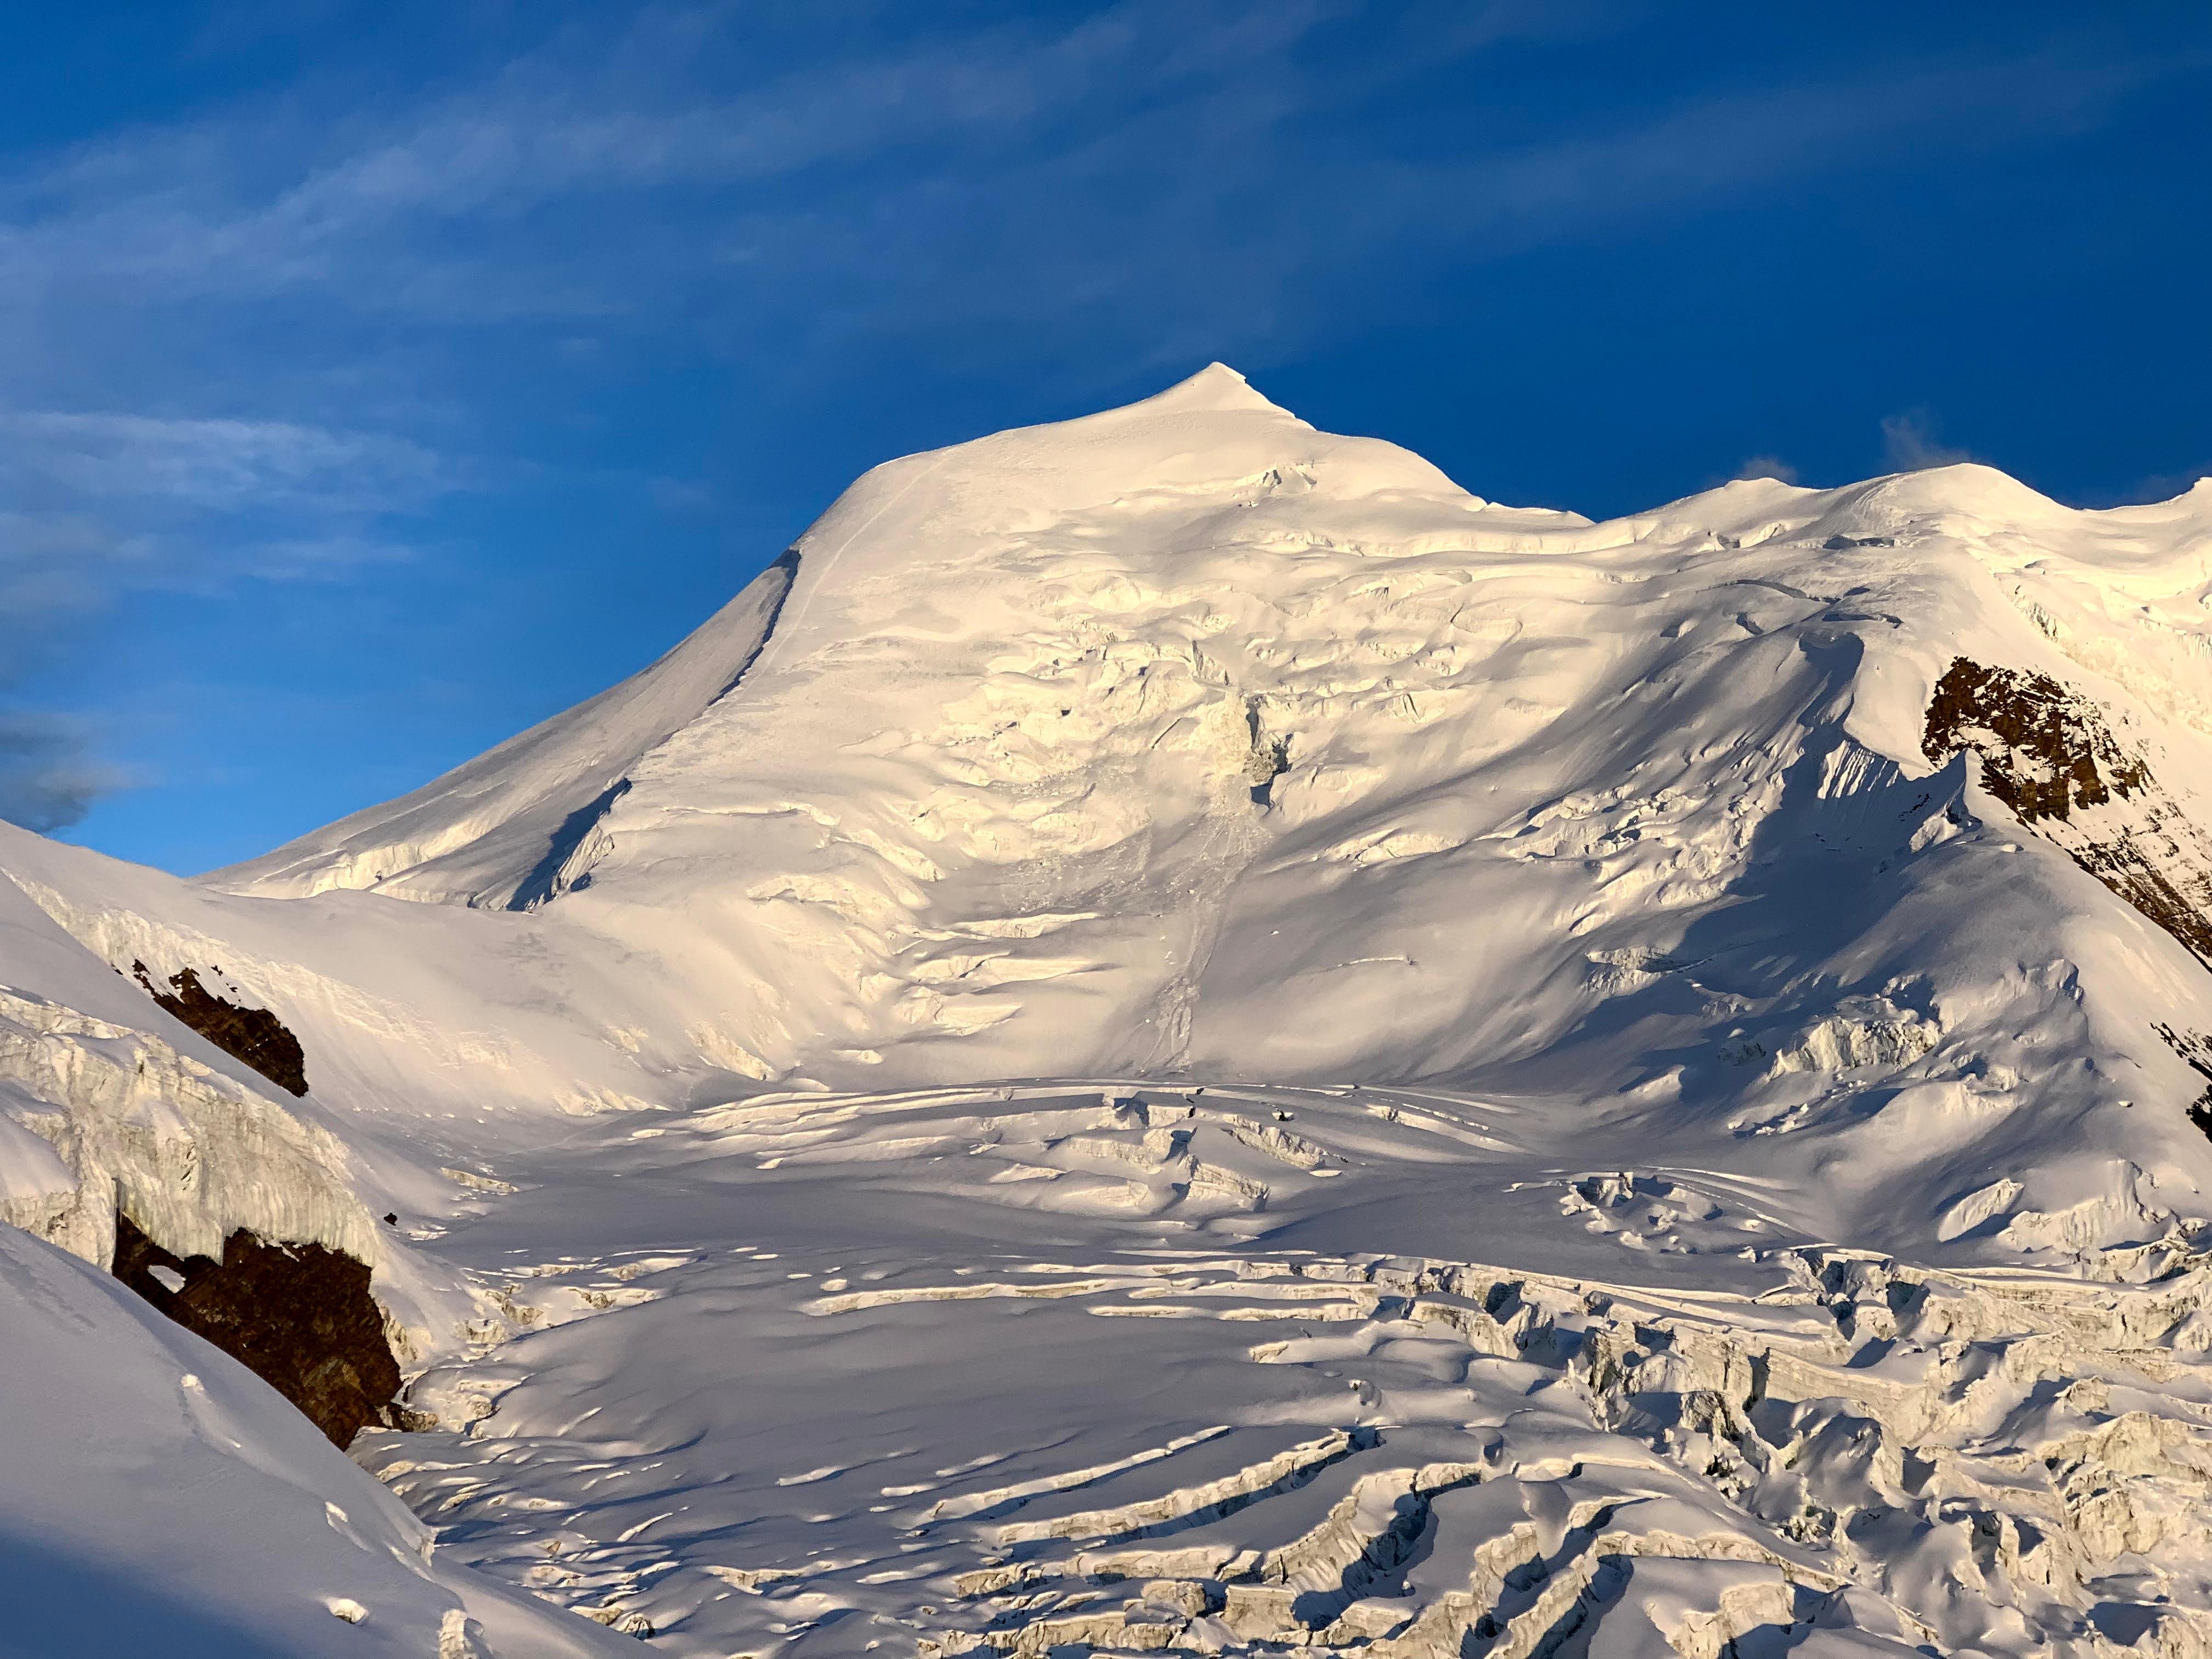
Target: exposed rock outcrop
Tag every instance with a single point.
(299, 1316)
(2050, 755)
(2044, 751)
(252, 1034)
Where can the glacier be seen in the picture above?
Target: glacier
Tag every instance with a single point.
(1175, 1035)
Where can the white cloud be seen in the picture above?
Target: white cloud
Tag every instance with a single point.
(1908, 443)
(222, 463)
(1767, 466)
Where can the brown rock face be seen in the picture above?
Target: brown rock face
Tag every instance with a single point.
(2044, 751)
(252, 1034)
(2048, 753)
(299, 1316)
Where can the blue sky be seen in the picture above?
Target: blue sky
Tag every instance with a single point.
(376, 379)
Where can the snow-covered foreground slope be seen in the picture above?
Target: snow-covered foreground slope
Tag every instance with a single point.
(155, 1497)
(1175, 1034)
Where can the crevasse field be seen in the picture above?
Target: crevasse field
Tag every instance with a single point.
(1175, 1035)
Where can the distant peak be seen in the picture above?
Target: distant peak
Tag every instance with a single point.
(1215, 387)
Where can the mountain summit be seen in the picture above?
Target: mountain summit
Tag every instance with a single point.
(1645, 1072)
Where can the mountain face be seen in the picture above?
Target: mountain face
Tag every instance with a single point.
(1174, 1033)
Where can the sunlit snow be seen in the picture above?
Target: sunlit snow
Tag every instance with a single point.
(1176, 1035)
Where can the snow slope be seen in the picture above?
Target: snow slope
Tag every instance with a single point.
(159, 1498)
(499, 830)
(1645, 1104)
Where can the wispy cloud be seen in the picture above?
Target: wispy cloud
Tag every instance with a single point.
(1909, 444)
(1087, 163)
(47, 779)
(220, 465)
(1767, 466)
(267, 340)
(101, 505)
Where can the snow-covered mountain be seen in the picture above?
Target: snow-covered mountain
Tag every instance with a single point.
(1645, 1075)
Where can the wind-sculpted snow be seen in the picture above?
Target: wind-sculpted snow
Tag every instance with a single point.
(1640, 1083)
